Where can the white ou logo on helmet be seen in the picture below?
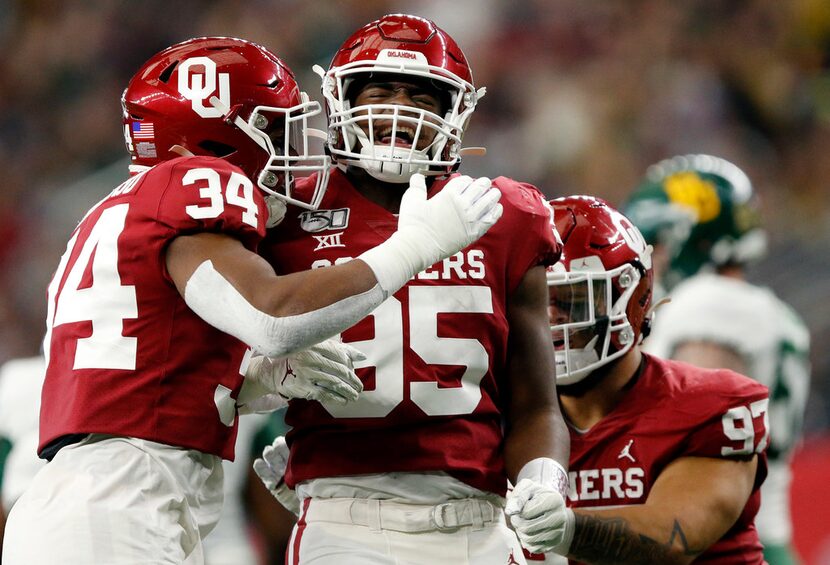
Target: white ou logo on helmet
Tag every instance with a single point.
(198, 87)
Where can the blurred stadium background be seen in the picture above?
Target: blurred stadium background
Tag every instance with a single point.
(582, 97)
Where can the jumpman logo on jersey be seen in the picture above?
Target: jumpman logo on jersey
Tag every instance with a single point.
(626, 451)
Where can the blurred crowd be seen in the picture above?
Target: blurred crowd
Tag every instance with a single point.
(581, 98)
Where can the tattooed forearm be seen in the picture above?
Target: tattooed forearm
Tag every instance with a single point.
(601, 541)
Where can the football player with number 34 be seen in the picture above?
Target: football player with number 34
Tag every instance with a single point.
(667, 459)
(160, 298)
(458, 391)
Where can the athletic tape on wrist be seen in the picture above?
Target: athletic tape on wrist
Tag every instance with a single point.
(398, 259)
(548, 472)
(288, 498)
(218, 303)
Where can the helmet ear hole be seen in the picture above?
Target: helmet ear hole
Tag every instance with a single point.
(645, 329)
(168, 72)
(216, 148)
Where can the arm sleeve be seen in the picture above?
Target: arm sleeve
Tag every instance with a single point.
(212, 297)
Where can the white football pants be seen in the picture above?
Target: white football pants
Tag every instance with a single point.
(118, 501)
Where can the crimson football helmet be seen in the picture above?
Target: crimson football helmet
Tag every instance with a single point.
(227, 98)
(413, 48)
(600, 290)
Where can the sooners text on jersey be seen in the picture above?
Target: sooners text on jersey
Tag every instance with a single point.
(436, 350)
(675, 410)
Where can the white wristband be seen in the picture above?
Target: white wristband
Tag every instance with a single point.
(397, 260)
(546, 471)
(288, 498)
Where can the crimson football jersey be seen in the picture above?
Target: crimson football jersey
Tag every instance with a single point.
(675, 410)
(437, 349)
(126, 356)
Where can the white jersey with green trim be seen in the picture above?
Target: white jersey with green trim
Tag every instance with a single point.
(774, 343)
(21, 381)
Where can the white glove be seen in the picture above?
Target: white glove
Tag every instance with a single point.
(323, 372)
(451, 220)
(540, 518)
(434, 229)
(270, 468)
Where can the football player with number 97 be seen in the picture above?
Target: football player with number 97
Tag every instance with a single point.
(160, 299)
(667, 459)
(704, 214)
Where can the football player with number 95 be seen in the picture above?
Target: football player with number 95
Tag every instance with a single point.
(160, 299)
(458, 390)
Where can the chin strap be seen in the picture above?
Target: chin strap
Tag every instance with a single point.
(656, 305)
(645, 329)
(179, 150)
(381, 163)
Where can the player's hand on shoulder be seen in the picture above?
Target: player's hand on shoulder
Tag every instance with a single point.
(454, 218)
(540, 518)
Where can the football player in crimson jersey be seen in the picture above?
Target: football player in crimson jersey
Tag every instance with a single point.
(458, 396)
(717, 318)
(160, 298)
(667, 459)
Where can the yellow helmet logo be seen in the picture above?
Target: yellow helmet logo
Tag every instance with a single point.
(700, 196)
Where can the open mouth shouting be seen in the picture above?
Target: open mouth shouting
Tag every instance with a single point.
(558, 339)
(403, 136)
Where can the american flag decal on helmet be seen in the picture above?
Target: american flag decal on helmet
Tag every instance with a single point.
(143, 130)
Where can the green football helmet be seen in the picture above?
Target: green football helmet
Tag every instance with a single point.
(702, 209)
